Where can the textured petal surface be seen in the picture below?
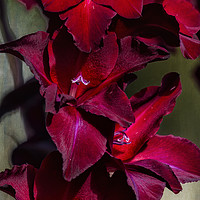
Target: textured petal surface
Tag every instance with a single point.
(31, 49)
(67, 63)
(113, 103)
(179, 153)
(133, 56)
(145, 186)
(80, 142)
(88, 22)
(128, 9)
(149, 107)
(18, 182)
(50, 184)
(58, 5)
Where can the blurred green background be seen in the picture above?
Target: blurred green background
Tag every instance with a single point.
(184, 120)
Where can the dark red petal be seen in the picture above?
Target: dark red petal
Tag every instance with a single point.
(149, 107)
(149, 25)
(190, 47)
(99, 64)
(145, 186)
(184, 12)
(21, 180)
(50, 96)
(58, 5)
(31, 49)
(28, 3)
(50, 183)
(133, 56)
(67, 62)
(161, 170)
(79, 141)
(65, 59)
(88, 22)
(128, 9)
(113, 103)
(179, 153)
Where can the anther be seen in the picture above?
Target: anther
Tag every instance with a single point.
(80, 79)
(121, 138)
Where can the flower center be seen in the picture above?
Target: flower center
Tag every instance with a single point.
(121, 138)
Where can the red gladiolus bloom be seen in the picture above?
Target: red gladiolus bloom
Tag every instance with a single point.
(151, 161)
(88, 20)
(72, 80)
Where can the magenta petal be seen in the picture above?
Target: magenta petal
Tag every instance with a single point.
(31, 48)
(21, 179)
(88, 22)
(150, 105)
(145, 186)
(113, 103)
(129, 8)
(186, 15)
(58, 5)
(80, 143)
(162, 170)
(179, 153)
(190, 47)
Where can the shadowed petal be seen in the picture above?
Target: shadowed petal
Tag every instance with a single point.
(18, 182)
(113, 103)
(179, 153)
(50, 184)
(145, 186)
(88, 22)
(160, 169)
(79, 141)
(128, 9)
(149, 107)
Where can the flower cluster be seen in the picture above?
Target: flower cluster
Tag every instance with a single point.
(107, 146)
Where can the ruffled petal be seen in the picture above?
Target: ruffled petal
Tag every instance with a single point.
(129, 8)
(160, 169)
(179, 153)
(113, 103)
(150, 105)
(88, 22)
(79, 138)
(18, 182)
(31, 49)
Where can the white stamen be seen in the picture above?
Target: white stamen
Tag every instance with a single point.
(80, 79)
